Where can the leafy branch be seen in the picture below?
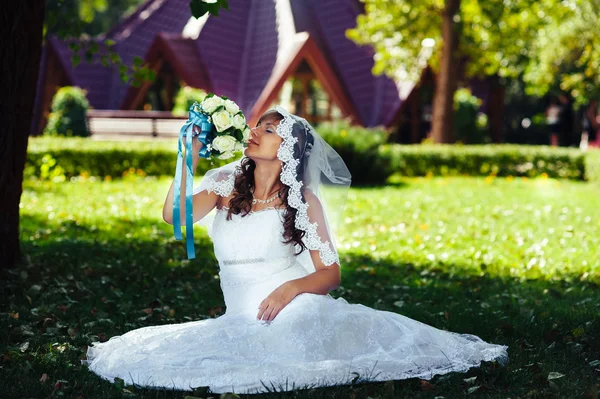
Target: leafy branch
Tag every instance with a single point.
(98, 49)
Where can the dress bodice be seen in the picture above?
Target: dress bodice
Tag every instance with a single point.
(253, 260)
(258, 235)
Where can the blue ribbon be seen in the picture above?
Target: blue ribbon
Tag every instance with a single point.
(206, 137)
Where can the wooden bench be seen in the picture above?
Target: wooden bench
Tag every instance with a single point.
(127, 125)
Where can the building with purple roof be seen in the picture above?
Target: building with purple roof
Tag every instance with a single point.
(259, 53)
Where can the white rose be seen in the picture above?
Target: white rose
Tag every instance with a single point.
(222, 120)
(246, 134)
(239, 122)
(224, 143)
(231, 107)
(238, 146)
(209, 105)
(226, 155)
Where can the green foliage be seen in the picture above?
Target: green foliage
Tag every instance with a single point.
(484, 160)
(201, 7)
(67, 117)
(369, 161)
(186, 96)
(91, 17)
(80, 23)
(554, 43)
(49, 170)
(106, 159)
(592, 165)
(495, 36)
(358, 148)
(567, 56)
(469, 123)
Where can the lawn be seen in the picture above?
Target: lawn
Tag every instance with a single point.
(514, 261)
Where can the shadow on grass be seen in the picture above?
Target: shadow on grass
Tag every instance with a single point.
(83, 284)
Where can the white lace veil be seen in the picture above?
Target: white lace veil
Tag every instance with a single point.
(318, 182)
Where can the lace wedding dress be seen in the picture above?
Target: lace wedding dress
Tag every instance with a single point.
(315, 340)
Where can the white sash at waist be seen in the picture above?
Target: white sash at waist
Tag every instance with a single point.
(251, 271)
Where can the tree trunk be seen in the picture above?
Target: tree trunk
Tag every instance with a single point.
(21, 24)
(495, 110)
(442, 128)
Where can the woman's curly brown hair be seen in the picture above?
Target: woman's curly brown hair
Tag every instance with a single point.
(241, 202)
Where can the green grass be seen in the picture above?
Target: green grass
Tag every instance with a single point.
(512, 261)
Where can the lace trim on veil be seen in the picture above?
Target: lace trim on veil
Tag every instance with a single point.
(288, 177)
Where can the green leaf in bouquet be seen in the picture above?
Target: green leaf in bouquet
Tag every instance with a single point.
(196, 107)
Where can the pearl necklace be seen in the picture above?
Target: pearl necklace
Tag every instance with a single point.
(273, 198)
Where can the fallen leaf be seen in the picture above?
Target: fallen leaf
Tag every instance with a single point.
(426, 386)
(470, 380)
(553, 375)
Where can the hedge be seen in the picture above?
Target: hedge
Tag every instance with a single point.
(76, 156)
(592, 165)
(483, 160)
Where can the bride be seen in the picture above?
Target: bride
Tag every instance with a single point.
(272, 217)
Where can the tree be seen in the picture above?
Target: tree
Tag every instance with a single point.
(22, 28)
(458, 38)
(567, 55)
(93, 17)
(21, 25)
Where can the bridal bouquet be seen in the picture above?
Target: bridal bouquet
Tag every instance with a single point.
(219, 124)
(222, 126)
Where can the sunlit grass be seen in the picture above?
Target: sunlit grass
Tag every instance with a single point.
(530, 228)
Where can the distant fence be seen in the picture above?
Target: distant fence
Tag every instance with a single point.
(115, 124)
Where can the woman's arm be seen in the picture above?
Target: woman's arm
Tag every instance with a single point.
(324, 278)
(203, 202)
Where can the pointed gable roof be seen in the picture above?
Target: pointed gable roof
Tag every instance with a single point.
(182, 55)
(375, 98)
(305, 49)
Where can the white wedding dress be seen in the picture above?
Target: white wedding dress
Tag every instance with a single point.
(315, 340)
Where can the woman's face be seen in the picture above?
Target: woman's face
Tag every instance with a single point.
(264, 140)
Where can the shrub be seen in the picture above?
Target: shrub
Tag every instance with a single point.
(50, 158)
(358, 147)
(483, 160)
(470, 125)
(592, 165)
(67, 117)
(79, 156)
(184, 99)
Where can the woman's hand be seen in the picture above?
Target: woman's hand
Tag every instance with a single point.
(277, 300)
(196, 144)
